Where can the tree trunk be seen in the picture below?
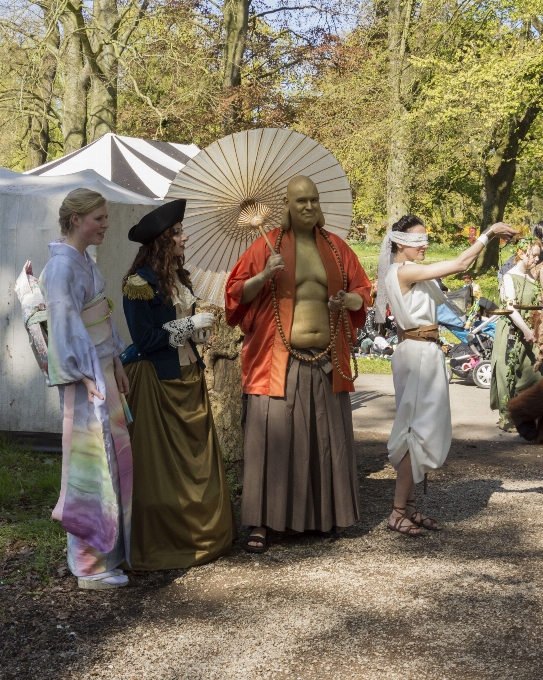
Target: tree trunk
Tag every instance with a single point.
(76, 75)
(494, 197)
(222, 358)
(398, 178)
(38, 142)
(103, 106)
(236, 21)
(104, 83)
(498, 182)
(398, 171)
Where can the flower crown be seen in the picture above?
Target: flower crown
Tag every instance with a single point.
(526, 241)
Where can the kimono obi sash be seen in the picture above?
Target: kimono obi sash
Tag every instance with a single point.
(96, 317)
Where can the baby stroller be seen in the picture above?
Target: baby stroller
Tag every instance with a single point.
(377, 339)
(469, 360)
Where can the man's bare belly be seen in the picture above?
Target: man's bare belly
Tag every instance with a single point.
(310, 325)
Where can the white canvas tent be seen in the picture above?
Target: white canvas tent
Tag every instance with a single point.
(28, 222)
(146, 167)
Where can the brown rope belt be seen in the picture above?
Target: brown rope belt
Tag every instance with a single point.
(422, 334)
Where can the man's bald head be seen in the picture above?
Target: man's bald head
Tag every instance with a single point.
(301, 184)
(302, 209)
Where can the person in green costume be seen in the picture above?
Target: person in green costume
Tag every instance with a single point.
(515, 352)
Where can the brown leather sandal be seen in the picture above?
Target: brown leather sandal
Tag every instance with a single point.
(404, 529)
(434, 526)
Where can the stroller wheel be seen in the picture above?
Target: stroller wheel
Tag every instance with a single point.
(482, 375)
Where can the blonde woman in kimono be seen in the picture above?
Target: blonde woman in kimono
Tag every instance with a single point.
(422, 432)
(83, 361)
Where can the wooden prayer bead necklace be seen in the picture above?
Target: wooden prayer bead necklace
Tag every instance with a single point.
(334, 331)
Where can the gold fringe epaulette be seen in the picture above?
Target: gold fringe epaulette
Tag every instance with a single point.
(137, 288)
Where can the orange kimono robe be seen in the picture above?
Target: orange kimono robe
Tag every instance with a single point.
(264, 357)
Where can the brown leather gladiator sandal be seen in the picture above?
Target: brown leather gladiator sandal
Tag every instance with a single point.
(406, 530)
(419, 519)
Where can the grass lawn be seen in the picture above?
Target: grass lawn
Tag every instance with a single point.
(374, 365)
(32, 545)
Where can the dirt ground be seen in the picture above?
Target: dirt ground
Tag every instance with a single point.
(463, 603)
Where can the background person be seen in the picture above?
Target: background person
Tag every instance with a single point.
(373, 292)
(475, 287)
(182, 510)
(83, 347)
(366, 334)
(421, 434)
(514, 352)
(537, 231)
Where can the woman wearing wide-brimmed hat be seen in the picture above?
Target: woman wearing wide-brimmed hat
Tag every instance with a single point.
(182, 512)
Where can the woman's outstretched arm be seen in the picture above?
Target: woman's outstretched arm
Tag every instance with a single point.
(427, 272)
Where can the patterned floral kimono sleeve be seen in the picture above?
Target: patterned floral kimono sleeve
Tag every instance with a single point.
(71, 353)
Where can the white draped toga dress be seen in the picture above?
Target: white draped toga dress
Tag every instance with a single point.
(423, 413)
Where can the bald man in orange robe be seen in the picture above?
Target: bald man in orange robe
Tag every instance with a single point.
(300, 467)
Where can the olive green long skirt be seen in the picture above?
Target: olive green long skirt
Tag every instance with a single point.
(181, 510)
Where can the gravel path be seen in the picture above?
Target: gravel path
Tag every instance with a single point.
(463, 603)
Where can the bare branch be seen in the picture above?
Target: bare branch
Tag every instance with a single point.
(147, 100)
(141, 13)
(18, 29)
(286, 8)
(267, 74)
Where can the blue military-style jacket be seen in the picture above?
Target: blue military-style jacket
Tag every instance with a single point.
(145, 318)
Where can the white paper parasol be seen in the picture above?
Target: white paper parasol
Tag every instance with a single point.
(243, 176)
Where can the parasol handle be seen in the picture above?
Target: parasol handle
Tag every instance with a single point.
(267, 239)
(258, 222)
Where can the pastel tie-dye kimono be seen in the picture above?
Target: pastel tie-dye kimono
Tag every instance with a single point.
(96, 490)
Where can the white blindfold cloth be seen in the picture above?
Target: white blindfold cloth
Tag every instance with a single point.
(386, 257)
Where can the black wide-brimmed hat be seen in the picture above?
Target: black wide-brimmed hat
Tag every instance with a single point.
(157, 221)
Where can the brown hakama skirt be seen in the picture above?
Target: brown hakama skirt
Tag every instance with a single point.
(181, 509)
(300, 464)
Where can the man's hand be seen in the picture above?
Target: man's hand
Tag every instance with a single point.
(351, 301)
(336, 302)
(92, 391)
(502, 230)
(274, 264)
(253, 286)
